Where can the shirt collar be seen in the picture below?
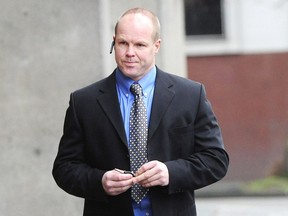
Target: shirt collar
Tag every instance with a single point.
(147, 82)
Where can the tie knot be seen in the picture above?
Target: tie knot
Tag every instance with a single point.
(136, 89)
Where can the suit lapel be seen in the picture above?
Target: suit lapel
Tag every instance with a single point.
(163, 95)
(108, 100)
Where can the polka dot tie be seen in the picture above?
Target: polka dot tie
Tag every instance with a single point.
(138, 138)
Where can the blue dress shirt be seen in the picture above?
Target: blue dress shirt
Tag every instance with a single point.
(126, 99)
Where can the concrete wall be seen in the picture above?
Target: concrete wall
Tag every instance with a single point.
(264, 26)
(48, 49)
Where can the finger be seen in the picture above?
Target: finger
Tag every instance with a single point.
(117, 191)
(148, 177)
(117, 187)
(145, 167)
(143, 177)
(158, 175)
(115, 183)
(122, 175)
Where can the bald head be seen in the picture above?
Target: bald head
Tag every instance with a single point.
(143, 12)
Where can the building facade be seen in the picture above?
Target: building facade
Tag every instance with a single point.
(50, 48)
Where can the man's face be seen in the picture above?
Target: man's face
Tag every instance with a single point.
(135, 47)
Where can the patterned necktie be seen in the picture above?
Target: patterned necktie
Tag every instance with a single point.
(138, 138)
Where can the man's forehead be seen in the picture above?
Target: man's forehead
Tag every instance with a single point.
(139, 18)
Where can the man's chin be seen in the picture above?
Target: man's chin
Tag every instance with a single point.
(130, 72)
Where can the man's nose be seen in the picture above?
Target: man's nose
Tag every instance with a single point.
(130, 51)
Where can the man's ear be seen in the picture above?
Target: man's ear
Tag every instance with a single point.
(157, 45)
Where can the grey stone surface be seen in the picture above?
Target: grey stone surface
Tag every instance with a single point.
(47, 50)
(243, 206)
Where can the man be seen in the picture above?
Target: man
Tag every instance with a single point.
(184, 144)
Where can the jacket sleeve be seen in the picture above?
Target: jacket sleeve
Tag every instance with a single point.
(70, 170)
(209, 161)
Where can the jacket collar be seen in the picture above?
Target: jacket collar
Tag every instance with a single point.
(163, 95)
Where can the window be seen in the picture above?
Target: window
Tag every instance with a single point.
(213, 27)
(203, 18)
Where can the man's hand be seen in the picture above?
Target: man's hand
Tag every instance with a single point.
(153, 173)
(115, 183)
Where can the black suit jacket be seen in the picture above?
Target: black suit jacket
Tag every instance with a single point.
(183, 133)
